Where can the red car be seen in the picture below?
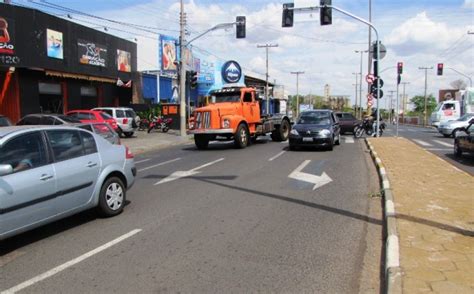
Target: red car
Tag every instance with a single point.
(91, 116)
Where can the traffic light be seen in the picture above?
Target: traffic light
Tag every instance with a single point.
(194, 79)
(440, 69)
(400, 68)
(288, 13)
(325, 13)
(240, 31)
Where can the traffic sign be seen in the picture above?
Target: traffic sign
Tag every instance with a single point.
(375, 94)
(369, 78)
(373, 50)
(380, 82)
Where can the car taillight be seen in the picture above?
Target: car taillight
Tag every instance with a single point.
(125, 120)
(128, 153)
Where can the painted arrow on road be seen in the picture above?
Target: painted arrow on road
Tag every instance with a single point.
(183, 174)
(318, 181)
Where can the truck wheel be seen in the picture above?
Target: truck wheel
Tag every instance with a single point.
(201, 141)
(241, 138)
(284, 130)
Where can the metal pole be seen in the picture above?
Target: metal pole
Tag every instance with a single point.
(404, 100)
(369, 56)
(464, 75)
(356, 97)
(266, 46)
(398, 109)
(425, 118)
(182, 74)
(390, 103)
(297, 73)
(360, 85)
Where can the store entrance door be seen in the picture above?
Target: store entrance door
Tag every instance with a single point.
(50, 98)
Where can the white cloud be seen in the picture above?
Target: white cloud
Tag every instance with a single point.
(468, 4)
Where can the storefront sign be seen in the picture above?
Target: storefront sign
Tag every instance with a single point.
(92, 54)
(54, 44)
(7, 42)
(123, 61)
(168, 53)
(231, 72)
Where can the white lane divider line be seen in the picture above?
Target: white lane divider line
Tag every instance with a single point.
(159, 164)
(348, 140)
(422, 143)
(438, 149)
(183, 174)
(68, 264)
(141, 161)
(276, 156)
(443, 143)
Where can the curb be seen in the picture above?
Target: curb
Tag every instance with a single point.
(393, 272)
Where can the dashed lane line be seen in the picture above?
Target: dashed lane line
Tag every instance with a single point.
(349, 140)
(141, 161)
(276, 156)
(159, 164)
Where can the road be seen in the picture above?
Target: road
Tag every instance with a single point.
(218, 220)
(431, 140)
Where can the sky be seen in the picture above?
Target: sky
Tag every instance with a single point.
(419, 33)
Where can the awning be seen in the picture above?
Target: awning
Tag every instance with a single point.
(79, 77)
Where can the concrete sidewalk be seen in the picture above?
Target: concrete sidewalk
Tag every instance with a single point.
(142, 141)
(434, 212)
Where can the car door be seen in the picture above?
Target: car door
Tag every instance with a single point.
(335, 124)
(28, 194)
(77, 165)
(250, 108)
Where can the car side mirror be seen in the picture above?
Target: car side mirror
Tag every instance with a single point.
(5, 169)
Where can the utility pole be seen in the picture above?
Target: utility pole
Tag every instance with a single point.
(360, 85)
(390, 105)
(356, 85)
(182, 73)
(425, 112)
(404, 99)
(266, 46)
(297, 73)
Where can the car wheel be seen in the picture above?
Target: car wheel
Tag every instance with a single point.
(128, 134)
(338, 141)
(292, 147)
(201, 141)
(241, 139)
(112, 197)
(331, 145)
(457, 149)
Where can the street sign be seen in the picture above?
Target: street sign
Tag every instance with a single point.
(375, 94)
(380, 82)
(369, 78)
(373, 51)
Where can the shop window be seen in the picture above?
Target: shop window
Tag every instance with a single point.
(49, 88)
(88, 91)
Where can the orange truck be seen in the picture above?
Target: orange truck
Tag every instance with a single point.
(234, 113)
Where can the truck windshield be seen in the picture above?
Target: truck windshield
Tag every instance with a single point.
(225, 97)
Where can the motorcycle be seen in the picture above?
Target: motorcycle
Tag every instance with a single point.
(366, 127)
(143, 124)
(158, 123)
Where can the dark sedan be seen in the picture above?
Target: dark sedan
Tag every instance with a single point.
(4, 121)
(464, 141)
(315, 128)
(347, 122)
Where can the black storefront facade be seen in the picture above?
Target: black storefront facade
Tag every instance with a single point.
(51, 65)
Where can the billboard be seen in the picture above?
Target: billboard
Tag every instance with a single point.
(123, 61)
(54, 44)
(7, 42)
(91, 53)
(168, 54)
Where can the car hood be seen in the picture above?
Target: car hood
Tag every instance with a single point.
(454, 124)
(312, 128)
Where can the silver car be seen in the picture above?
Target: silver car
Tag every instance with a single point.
(51, 172)
(450, 128)
(125, 118)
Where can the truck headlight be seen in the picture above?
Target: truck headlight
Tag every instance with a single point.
(324, 133)
(226, 124)
(294, 132)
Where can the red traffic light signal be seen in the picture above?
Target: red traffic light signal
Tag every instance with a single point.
(400, 68)
(440, 69)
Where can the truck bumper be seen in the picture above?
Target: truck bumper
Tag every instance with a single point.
(211, 131)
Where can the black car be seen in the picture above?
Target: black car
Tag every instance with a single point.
(464, 141)
(4, 121)
(47, 119)
(347, 122)
(315, 128)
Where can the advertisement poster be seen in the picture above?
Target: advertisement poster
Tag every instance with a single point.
(54, 44)
(7, 42)
(123, 61)
(168, 54)
(92, 54)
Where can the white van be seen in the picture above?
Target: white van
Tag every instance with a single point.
(445, 111)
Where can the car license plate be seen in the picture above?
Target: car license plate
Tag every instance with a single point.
(307, 139)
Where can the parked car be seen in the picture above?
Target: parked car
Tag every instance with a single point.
(347, 122)
(450, 128)
(5, 121)
(102, 129)
(46, 119)
(89, 116)
(315, 128)
(48, 173)
(125, 118)
(464, 140)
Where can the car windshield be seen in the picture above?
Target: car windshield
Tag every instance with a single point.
(466, 117)
(314, 118)
(105, 115)
(226, 97)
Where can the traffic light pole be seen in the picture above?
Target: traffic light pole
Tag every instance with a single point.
(464, 75)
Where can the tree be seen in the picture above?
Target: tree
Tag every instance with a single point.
(419, 102)
(458, 84)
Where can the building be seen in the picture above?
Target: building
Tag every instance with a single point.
(51, 65)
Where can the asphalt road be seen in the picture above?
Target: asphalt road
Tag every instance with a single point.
(431, 140)
(226, 221)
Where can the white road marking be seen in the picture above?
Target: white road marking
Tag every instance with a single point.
(438, 149)
(349, 140)
(276, 156)
(318, 181)
(68, 264)
(141, 161)
(159, 164)
(422, 143)
(284, 142)
(182, 174)
(443, 143)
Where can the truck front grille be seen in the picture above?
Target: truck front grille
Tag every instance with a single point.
(203, 120)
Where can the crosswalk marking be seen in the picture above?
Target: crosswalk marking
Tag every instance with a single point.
(443, 143)
(348, 140)
(422, 143)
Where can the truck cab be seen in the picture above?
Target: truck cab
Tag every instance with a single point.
(445, 111)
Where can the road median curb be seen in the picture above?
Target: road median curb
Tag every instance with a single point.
(393, 272)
